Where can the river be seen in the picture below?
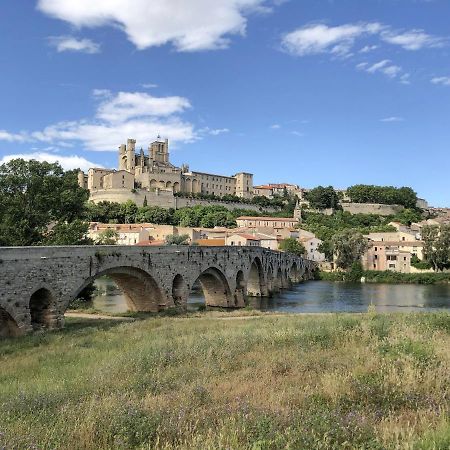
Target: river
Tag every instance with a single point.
(314, 297)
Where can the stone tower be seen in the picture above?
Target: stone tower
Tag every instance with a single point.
(159, 151)
(298, 212)
(131, 155)
(123, 157)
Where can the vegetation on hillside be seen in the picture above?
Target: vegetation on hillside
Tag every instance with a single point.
(271, 382)
(389, 195)
(323, 198)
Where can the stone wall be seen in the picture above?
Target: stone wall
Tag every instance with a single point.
(372, 208)
(165, 199)
(38, 283)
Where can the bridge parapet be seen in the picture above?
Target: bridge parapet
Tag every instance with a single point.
(38, 283)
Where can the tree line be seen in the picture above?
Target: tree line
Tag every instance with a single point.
(328, 198)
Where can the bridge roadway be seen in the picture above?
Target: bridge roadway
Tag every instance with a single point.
(38, 283)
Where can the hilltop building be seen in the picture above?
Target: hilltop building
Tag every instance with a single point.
(154, 172)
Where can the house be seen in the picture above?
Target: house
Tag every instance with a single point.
(268, 222)
(387, 256)
(252, 240)
(311, 245)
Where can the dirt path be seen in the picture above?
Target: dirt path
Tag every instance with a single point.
(81, 315)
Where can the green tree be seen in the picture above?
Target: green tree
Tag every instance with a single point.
(107, 237)
(323, 198)
(291, 245)
(155, 214)
(34, 195)
(173, 239)
(436, 245)
(68, 233)
(408, 216)
(128, 211)
(348, 248)
(104, 212)
(145, 202)
(389, 195)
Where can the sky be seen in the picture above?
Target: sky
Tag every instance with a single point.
(309, 92)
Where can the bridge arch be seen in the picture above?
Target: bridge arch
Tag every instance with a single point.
(255, 280)
(278, 280)
(240, 292)
(215, 287)
(8, 326)
(42, 304)
(179, 290)
(294, 274)
(140, 289)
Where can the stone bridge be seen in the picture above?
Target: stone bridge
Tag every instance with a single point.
(38, 283)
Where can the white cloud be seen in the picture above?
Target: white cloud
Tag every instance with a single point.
(412, 40)
(188, 25)
(118, 116)
(392, 119)
(12, 137)
(67, 162)
(297, 133)
(444, 81)
(126, 105)
(72, 44)
(275, 126)
(368, 48)
(320, 38)
(212, 131)
(385, 66)
(149, 85)
(218, 131)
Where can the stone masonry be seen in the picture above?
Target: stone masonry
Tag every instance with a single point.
(38, 283)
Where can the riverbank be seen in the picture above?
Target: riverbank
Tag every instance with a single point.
(389, 277)
(323, 381)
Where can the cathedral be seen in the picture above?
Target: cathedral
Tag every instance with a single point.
(153, 172)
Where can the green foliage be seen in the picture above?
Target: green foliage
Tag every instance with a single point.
(406, 278)
(173, 239)
(68, 233)
(34, 195)
(103, 212)
(389, 195)
(325, 227)
(155, 214)
(355, 273)
(107, 237)
(418, 264)
(436, 245)
(291, 245)
(348, 247)
(323, 198)
(408, 216)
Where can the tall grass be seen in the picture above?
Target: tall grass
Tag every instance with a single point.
(266, 382)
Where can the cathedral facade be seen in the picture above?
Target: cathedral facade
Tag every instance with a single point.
(153, 172)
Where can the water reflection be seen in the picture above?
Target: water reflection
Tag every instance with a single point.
(314, 296)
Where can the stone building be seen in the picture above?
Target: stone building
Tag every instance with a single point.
(153, 172)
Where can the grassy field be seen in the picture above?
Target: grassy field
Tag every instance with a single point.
(266, 382)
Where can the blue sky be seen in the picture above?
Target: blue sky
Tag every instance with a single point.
(303, 91)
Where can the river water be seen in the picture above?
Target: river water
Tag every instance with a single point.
(316, 296)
